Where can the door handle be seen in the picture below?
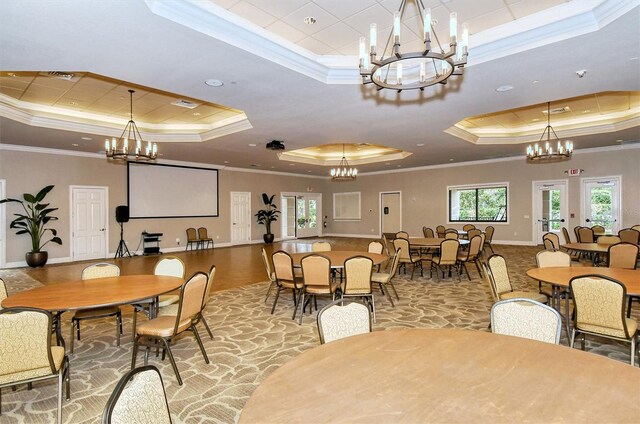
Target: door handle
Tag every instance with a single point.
(588, 220)
(102, 229)
(234, 223)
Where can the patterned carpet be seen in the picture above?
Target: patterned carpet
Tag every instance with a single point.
(249, 344)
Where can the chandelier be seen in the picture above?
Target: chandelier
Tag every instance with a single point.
(343, 172)
(413, 70)
(536, 153)
(119, 148)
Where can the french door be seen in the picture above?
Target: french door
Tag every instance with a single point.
(550, 208)
(601, 203)
(89, 231)
(308, 215)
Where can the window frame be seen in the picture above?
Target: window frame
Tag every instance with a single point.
(477, 187)
(359, 211)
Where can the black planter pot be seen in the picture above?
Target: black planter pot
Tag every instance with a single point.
(36, 259)
(268, 238)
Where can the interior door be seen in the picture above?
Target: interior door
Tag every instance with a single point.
(391, 212)
(308, 208)
(241, 217)
(89, 223)
(3, 224)
(601, 197)
(551, 208)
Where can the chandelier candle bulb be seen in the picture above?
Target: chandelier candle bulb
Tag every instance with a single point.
(427, 25)
(373, 38)
(362, 52)
(396, 27)
(399, 73)
(453, 27)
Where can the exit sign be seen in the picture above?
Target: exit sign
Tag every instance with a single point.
(574, 172)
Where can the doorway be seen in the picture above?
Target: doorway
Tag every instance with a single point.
(288, 217)
(390, 212)
(3, 224)
(307, 208)
(89, 223)
(601, 201)
(240, 217)
(550, 208)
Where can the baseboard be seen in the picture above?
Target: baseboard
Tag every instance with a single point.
(22, 264)
(367, 236)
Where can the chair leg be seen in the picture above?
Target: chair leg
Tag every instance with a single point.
(629, 307)
(118, 328)
(478, 267)
(206, 326)
(301, 302)
(268, 292)
(173, 361)
(135, 319)
(204, 352)
(573, 337)
(59, 416)
(275, 301)
(73, 324)
(388, 294)
(135, 352)
(633, 351)
(68, 379)
(394, 289)
(373, 306)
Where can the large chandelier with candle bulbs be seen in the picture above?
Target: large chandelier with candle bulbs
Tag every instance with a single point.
(120, 148)
(398, 70)
(343, 172)
(537, 153)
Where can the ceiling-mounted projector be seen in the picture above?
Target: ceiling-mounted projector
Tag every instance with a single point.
(275, 145)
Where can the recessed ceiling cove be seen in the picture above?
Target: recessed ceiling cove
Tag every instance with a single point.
(331, 154)
(90, 103)
(597, 113)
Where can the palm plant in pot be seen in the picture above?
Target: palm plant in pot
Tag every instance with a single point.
(34, 222)
(267, 216)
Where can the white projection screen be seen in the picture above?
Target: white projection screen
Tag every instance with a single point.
(169, 191)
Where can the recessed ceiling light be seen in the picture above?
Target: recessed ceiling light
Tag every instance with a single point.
(214, 83)
(420, 144)
(504, 88)
(619, 141)
(308, 171)
(586, 111)
(86, 138)
(273, 167)
(73, 103)
(13, 75)
(535, 120)
(252, 145)
(75, 144)
(451, 160)
(310, 20)
(196, 113)
(535, 82)
(226, 161)
(434, 22)
(398, 166)
(633, 58)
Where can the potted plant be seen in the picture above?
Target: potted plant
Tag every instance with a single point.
(267, 216)
(33, 222)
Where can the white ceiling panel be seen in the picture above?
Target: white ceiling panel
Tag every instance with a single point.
(489, 20)
(524, 8)
(278, 8)
(253, 14)
(337, 35)
(226, 4)
(344, 8)
(286, 31)
(323, 19)
(471, 9)
(374, 14)
(315, 46)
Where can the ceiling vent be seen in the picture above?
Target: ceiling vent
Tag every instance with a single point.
(61, 75)
(185, 103)
(558, 110)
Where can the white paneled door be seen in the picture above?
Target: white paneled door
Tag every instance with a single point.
(550, 208)
(3, 224)
(241, 217)
(89, 222)
(602, 203)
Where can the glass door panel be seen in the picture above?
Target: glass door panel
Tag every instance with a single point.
(550, 208)
(602, 204)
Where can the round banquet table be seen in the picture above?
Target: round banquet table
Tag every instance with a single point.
(560, 276)
(431, 242)
(445, 375)
(337, 257)
(587, 247)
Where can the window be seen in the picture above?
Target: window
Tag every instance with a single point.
(483, 203)
(346, 206)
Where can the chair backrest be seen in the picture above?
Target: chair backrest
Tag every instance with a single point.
(489, 233)
(342, 319)
(282, 265)
(599, 305)
(385, 243)
(440, 231)
(489, 281)
(394, 264)
(475, 245)
(565, 234)
(576, 231)
(404, 246)
(449, 251)
(608, 240)
(451, 234)
(629, 235)
(191, 234)
(375, 247)
(321, 246)
(468, 227)
(170, 266)
(207, 293)
(499, 274)
(402, 234)
(357, 274)
(623, 255)
(526, 318)
(598, 229)
(316, 270)
(586, 235)
(191, 301)
(551, 258)
(202, 233)
(428, 232)
(3, 292)
(138, 398)
(101, 270)
(636, 227)
(267, 265)
(25, 344)
(553, 243)
(473, 232)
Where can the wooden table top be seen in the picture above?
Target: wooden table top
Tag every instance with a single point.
(427, 375)
(588, 247)
(83, 294)
(337, 257)
(431, 242)
(561, 276)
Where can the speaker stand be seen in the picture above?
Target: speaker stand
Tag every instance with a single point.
(122, 246)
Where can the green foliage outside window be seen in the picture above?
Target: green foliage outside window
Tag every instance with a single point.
(481, 204)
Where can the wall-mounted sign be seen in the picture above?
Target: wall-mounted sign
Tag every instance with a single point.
(574, 172)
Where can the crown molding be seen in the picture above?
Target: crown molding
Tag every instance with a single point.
(549, 26)
(335, 162)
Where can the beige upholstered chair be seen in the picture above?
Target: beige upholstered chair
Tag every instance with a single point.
(440, 230)
(402, 234)
(375, 247)
(629, 235)
(270, 273)
(552, 258)
(526, 318)
(317, 281)
(551, 241)
(101, 270)
(139, 398)
(473, 232)
(340, 319)
(385, 280)
(576, 231)
(488, 232)
(451, 234)
(501, 283)
(160, 331)
(192, 238)
(26, 354)
(173, 308)
(385, 243)
(622, 255)
(471, 255)
(636, 227)
(321, 246)
(448, 258)
(598, 229)
(608, 240)
(575, 256)
(586, 235)
(204, 238)
(357, 272)
(428, 232)
(3, 292)
(285, 278)
(468, 227)
(406, 256)
(599, 310)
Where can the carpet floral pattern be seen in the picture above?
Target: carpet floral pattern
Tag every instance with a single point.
(249, 343)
